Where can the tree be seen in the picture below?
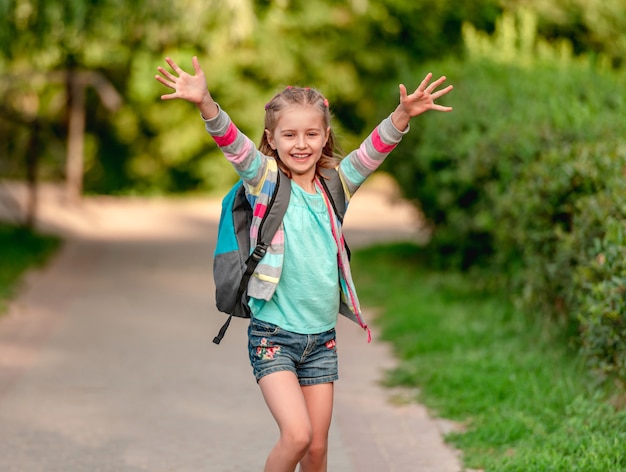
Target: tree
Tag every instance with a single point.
(353, 51)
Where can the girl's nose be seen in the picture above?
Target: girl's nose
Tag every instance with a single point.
(301, 142)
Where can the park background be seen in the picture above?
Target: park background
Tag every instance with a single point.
(522, 187)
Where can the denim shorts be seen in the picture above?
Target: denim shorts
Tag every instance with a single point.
(312, 357)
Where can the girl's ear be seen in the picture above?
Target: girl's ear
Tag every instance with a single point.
(270, 139)
(327, 135)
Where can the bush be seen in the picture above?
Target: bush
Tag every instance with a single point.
(601, 293)
(21, 249)
(526, 176)
(568, 212)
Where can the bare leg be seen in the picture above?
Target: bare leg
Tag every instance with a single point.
(319, 403)
(286, 401)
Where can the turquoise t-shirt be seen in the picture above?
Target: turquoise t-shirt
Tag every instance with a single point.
(306, 300)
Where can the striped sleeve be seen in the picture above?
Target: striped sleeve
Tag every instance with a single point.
(362, 162)
(236, 146)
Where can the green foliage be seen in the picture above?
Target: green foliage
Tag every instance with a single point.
(249, 50)
(354, 51)
(601, 297)
(596, 27)
(525, 175)
(523, 398)
(20, 250)
(568, 212)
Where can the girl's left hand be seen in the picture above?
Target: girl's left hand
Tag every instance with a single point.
(423, 99)
(420, 101)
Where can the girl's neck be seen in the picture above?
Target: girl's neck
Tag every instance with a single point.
(305, 182)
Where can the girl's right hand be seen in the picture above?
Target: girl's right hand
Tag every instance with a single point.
(192, 88)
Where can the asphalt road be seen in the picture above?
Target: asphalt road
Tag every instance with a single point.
(107, 364)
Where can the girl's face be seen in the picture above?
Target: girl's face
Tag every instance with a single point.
(298, 138)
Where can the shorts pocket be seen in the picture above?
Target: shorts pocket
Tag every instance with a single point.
(262, 328)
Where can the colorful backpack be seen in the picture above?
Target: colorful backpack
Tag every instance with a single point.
(234, 261)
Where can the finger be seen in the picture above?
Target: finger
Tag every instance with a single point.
(169, 96)
(166, 74)
(422, 86)
(441, 108)
(436, 84)
(165, 82)
(173, 65)
(403, 93)
(441, 92)
(196, 65)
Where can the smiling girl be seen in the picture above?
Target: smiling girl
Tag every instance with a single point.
(304, 280)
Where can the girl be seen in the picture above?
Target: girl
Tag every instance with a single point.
(303, 280)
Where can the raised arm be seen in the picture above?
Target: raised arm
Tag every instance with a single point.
(192, 88)
(420, 101)
(249, 163)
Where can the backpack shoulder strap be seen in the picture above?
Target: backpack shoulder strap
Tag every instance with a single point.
(331, 181)
(276, 209)
(273, 217)
(336, 194)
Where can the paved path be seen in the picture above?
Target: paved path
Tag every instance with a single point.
(107, 364)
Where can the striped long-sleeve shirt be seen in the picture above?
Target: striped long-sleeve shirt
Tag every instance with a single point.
(259, 173)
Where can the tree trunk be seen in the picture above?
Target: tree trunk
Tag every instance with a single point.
(75, 136)
(32, 165)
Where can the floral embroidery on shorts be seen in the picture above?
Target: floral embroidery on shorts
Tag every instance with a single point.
(331, 344)
(266, 352)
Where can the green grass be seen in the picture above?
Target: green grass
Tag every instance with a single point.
(20, 250)
(522, 393)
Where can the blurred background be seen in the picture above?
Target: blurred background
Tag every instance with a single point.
(524, 179)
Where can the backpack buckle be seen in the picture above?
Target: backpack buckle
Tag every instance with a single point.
(258, 252)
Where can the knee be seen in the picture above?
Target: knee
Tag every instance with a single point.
(317, 450)
(298, 440)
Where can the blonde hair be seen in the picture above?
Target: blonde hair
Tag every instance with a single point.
(302, 97)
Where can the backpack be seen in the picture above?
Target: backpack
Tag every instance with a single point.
(233, 261)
